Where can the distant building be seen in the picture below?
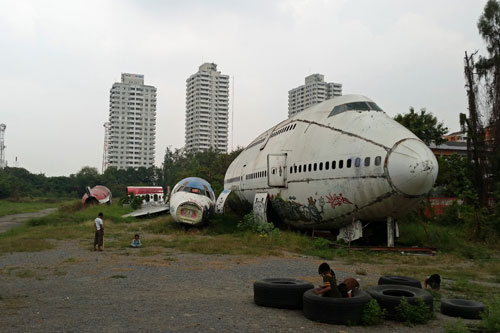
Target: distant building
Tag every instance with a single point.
(132, 118)
(314, 91)
(456, 137)
(207, 109)
(449, 148)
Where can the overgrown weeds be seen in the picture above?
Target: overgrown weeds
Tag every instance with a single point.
(456, 326)
(419, 313)
(372, 314)
(490, 319)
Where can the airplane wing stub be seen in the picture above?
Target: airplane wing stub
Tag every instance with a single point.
(221, 200)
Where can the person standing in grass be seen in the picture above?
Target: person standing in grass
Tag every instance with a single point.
(99, 232)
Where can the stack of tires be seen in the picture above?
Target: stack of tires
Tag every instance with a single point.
(285, 293)
(340, 311)
(282, 293)
(391, 289)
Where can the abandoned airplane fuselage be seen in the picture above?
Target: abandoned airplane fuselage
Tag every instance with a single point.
(192, 201)
(336, 162)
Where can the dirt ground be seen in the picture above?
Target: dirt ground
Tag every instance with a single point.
(72, 288)
(10, 221)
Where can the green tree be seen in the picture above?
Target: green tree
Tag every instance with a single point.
(209, 165)
(87, 176)
(488, 69)
(453, 178)
(424, 125)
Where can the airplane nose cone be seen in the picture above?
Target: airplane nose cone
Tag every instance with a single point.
(411, 167)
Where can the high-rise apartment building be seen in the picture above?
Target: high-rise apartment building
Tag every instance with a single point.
(132, 118)
(314, 91)
(207, 109)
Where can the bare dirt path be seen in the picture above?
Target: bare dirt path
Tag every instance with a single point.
(71, 288)
(10, 221)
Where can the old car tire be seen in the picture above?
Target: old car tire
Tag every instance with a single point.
(462, 308)
(389, 296)
(280, 293)
(399, 280)
(332, 310)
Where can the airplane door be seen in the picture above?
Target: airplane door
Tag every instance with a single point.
(276, 170)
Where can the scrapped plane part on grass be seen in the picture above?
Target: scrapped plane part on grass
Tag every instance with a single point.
(221, 199)
(192, 201)
(339, 160)
(152, 195)
(153, 200)
(149, 210)
(97, 195)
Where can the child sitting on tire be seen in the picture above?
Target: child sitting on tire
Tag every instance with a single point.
(329, 287)
(347, 287)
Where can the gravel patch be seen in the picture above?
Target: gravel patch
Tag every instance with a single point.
(73, 289)
(11, 221)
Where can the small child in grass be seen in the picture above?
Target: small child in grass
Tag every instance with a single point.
(136, 242)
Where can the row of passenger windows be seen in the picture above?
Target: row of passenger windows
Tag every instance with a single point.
(255, 175)
(333, 165)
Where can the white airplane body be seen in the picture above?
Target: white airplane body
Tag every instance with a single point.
(192, 201)
(336, 162)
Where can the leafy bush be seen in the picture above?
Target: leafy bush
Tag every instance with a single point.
(321, 243)
(451, 215)
(456, 326)
(419, 313)
(252, 223)
(135, 202)
(372, 314)
(491, 317)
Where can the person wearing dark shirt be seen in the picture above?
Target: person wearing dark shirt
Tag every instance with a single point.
(329, 287)
(433, 281)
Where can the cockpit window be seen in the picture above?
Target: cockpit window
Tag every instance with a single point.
(196, 186)
(374, 106)
(355, 106)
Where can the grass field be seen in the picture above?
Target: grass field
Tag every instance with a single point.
(17, 207)
(468, 269)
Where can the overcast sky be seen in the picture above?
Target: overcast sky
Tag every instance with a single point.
(59, 60)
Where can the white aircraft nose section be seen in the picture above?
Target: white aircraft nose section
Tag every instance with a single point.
(411, 167)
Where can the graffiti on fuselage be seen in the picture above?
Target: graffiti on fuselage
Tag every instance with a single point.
(337, 200)
(295, 211)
